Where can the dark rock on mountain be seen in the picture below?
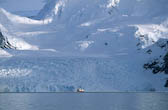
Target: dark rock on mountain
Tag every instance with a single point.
(4, 43)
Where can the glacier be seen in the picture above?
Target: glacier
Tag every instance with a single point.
(99, 45)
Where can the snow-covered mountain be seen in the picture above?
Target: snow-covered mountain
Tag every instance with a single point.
(113, 45)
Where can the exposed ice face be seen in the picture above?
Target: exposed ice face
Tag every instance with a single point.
(69, 74)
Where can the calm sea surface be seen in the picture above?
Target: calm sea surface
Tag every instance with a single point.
(84, 101)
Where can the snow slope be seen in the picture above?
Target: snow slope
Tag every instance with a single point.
(100, 45)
